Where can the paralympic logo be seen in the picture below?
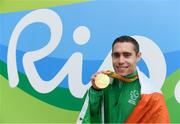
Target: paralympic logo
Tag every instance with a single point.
(81, 36)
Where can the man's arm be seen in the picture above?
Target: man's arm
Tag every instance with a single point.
(95, 93)
(93, 113)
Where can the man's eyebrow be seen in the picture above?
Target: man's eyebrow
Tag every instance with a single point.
(126, 53)
(115, 53)
(121, 53)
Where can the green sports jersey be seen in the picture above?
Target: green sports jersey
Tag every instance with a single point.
(119, 99)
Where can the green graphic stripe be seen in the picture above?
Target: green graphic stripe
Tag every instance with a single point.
(170, 83)
(173, 109)
(21, 5)
(59, 97)
(19, 107)
(168, 91)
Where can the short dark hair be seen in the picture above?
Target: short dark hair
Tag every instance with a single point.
(128, 39)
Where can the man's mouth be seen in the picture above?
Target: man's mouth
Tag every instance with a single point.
(122, 68)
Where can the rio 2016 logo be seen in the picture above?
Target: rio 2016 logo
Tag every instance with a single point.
(81, 36)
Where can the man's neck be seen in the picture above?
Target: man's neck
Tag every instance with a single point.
(132, 74)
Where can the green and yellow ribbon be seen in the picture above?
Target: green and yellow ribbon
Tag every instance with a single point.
(122, 78)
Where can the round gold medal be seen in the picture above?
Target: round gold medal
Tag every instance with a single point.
(102, 80)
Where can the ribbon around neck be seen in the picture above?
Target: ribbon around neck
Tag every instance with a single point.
(122, 78)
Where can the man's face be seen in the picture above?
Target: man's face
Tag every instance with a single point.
(124, 58)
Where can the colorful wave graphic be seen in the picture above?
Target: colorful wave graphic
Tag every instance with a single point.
(61, 96)
(59, 101)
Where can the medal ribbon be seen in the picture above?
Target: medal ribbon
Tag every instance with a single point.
(122, 78)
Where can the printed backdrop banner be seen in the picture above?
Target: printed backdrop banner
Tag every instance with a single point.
(50, 49)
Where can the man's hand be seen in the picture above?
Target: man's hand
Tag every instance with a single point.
(100, 80)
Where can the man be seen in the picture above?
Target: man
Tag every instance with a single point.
(130, 97)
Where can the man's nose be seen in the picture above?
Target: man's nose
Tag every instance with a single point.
(121, 60)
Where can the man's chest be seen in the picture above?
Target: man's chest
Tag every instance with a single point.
(124, 94)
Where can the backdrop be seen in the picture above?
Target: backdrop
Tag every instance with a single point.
(49, 50)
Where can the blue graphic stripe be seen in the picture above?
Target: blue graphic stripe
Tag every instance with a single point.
(49, 66)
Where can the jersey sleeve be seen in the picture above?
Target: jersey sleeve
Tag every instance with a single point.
(93, 113)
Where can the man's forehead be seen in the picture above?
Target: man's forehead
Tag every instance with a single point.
(123, 47)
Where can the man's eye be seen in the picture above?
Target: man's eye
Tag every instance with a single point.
(127, 55)
(115, 55)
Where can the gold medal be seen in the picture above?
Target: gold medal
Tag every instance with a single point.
(102, 81)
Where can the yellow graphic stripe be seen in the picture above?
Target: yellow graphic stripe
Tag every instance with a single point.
(7, 6)
(18, 107)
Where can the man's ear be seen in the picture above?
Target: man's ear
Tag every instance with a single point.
(138, 56)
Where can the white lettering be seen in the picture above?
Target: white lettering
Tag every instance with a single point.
(73, 67)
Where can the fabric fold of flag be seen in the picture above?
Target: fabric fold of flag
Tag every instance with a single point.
(148, 110)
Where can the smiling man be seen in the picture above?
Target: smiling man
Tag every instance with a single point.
(129, 97)
(125, 55)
